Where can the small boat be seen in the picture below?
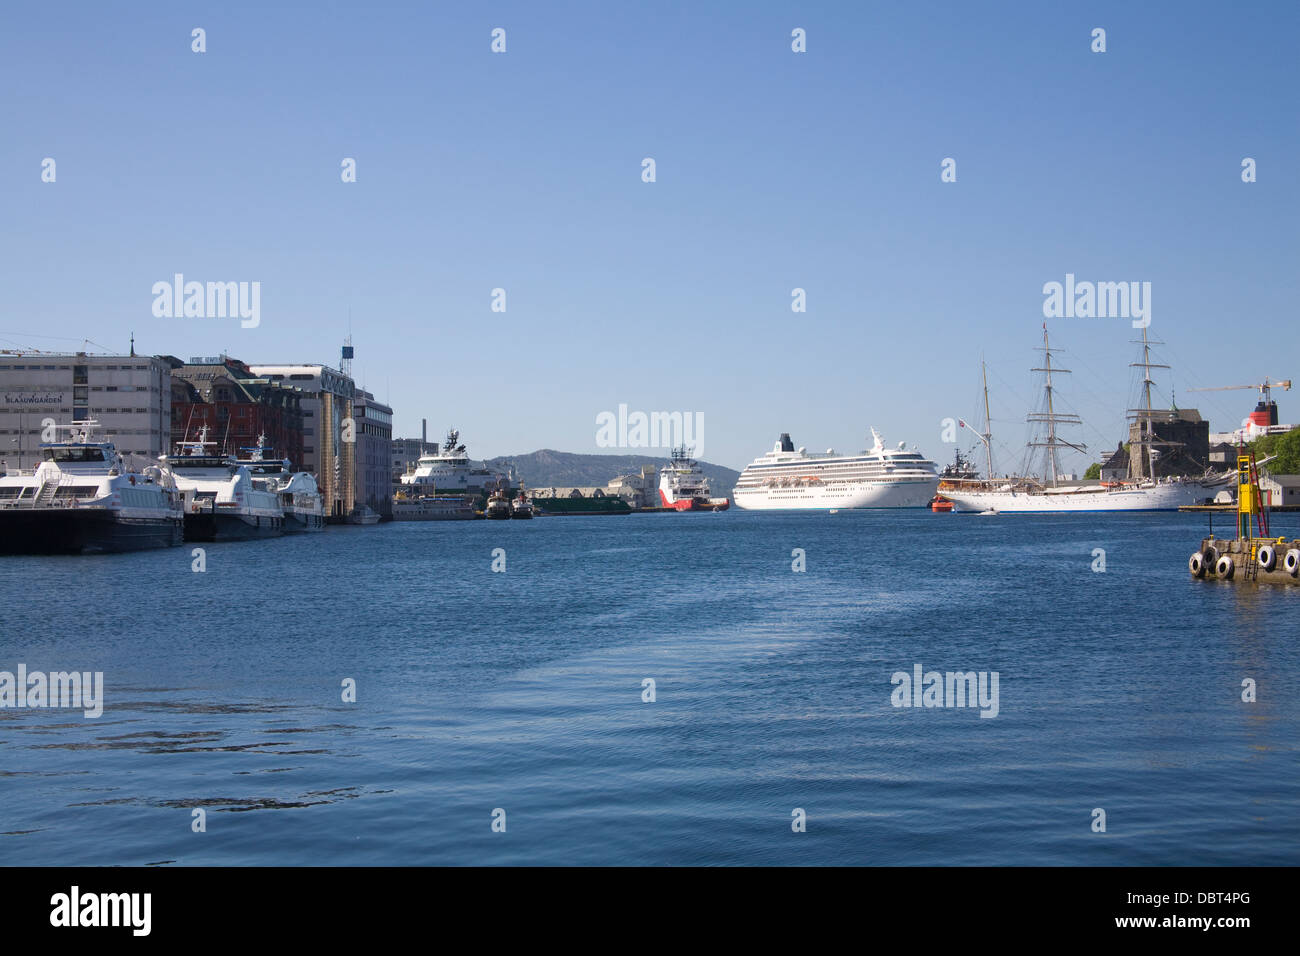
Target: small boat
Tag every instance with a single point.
(498, 505)
(363, 515)
(940, 505)
(521, 507)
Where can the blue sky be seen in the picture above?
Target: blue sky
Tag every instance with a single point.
(775, 170)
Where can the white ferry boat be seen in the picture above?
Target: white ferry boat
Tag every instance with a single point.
(449, 471)
(82, 497)
(683, 487)
(298, 493)
(220, 500)
(786, 478)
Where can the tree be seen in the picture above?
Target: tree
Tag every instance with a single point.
(1094, 471)
(1287, 448)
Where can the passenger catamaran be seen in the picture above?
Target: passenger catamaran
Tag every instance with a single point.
(299, 495)
(1048, 495)
(83, 497)
(877, 478)
(221, 501)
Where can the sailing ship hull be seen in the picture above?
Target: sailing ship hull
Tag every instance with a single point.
(82, 531)
(209, 527)
(1168, 497)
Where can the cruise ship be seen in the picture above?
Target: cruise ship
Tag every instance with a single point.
(787, 479)
(83, 498)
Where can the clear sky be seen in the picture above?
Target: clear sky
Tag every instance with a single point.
(775, 170)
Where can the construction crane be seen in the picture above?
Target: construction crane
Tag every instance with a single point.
(1264, 417)
(1265, 388)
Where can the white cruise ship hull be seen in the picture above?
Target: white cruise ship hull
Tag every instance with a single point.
(893, 493)
(1168, 497)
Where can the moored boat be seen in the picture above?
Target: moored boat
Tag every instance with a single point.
(300, 499)
(522, 506)
(219, 498)
(84, 498)
(683, 486)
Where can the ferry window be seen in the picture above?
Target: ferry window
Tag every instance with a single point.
(73, 454)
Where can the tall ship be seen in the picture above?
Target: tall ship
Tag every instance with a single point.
(300, 499)
(1055, 493)
(449, 471)
(220, 499)
(83, 497)
(683, 487)
(880, 477)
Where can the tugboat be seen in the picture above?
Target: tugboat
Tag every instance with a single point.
(220, 500)
(522, 507)
(299, 495)
(961, 469)
(498, 504)
(82, 497)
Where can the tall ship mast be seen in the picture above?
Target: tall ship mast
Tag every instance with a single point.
(1051, 417)
(1143, 452)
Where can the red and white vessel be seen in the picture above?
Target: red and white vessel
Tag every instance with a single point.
(683, 487)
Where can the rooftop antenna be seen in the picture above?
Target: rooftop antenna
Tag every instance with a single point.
(132, 345)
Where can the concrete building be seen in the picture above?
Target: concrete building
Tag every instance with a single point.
(1280, 490)
(640, 491)
(237, 407)
(373, 431)
(1115, 466)
(129, 395)
(326, 406)
(406, 452)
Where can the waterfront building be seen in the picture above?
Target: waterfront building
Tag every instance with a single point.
(374, 447)
(326, 406)
(1179, 443)
(129, 395)
(237, 407)
(639, 491)
(1280, 490)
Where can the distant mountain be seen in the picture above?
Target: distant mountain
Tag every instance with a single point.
(548, 468)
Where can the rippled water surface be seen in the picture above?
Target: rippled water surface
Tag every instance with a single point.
(522, 690)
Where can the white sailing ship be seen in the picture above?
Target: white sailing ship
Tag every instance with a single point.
(1053, 494)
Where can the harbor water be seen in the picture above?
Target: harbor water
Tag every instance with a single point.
(1120, 685)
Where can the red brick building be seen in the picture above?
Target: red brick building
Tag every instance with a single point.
(237, 407)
